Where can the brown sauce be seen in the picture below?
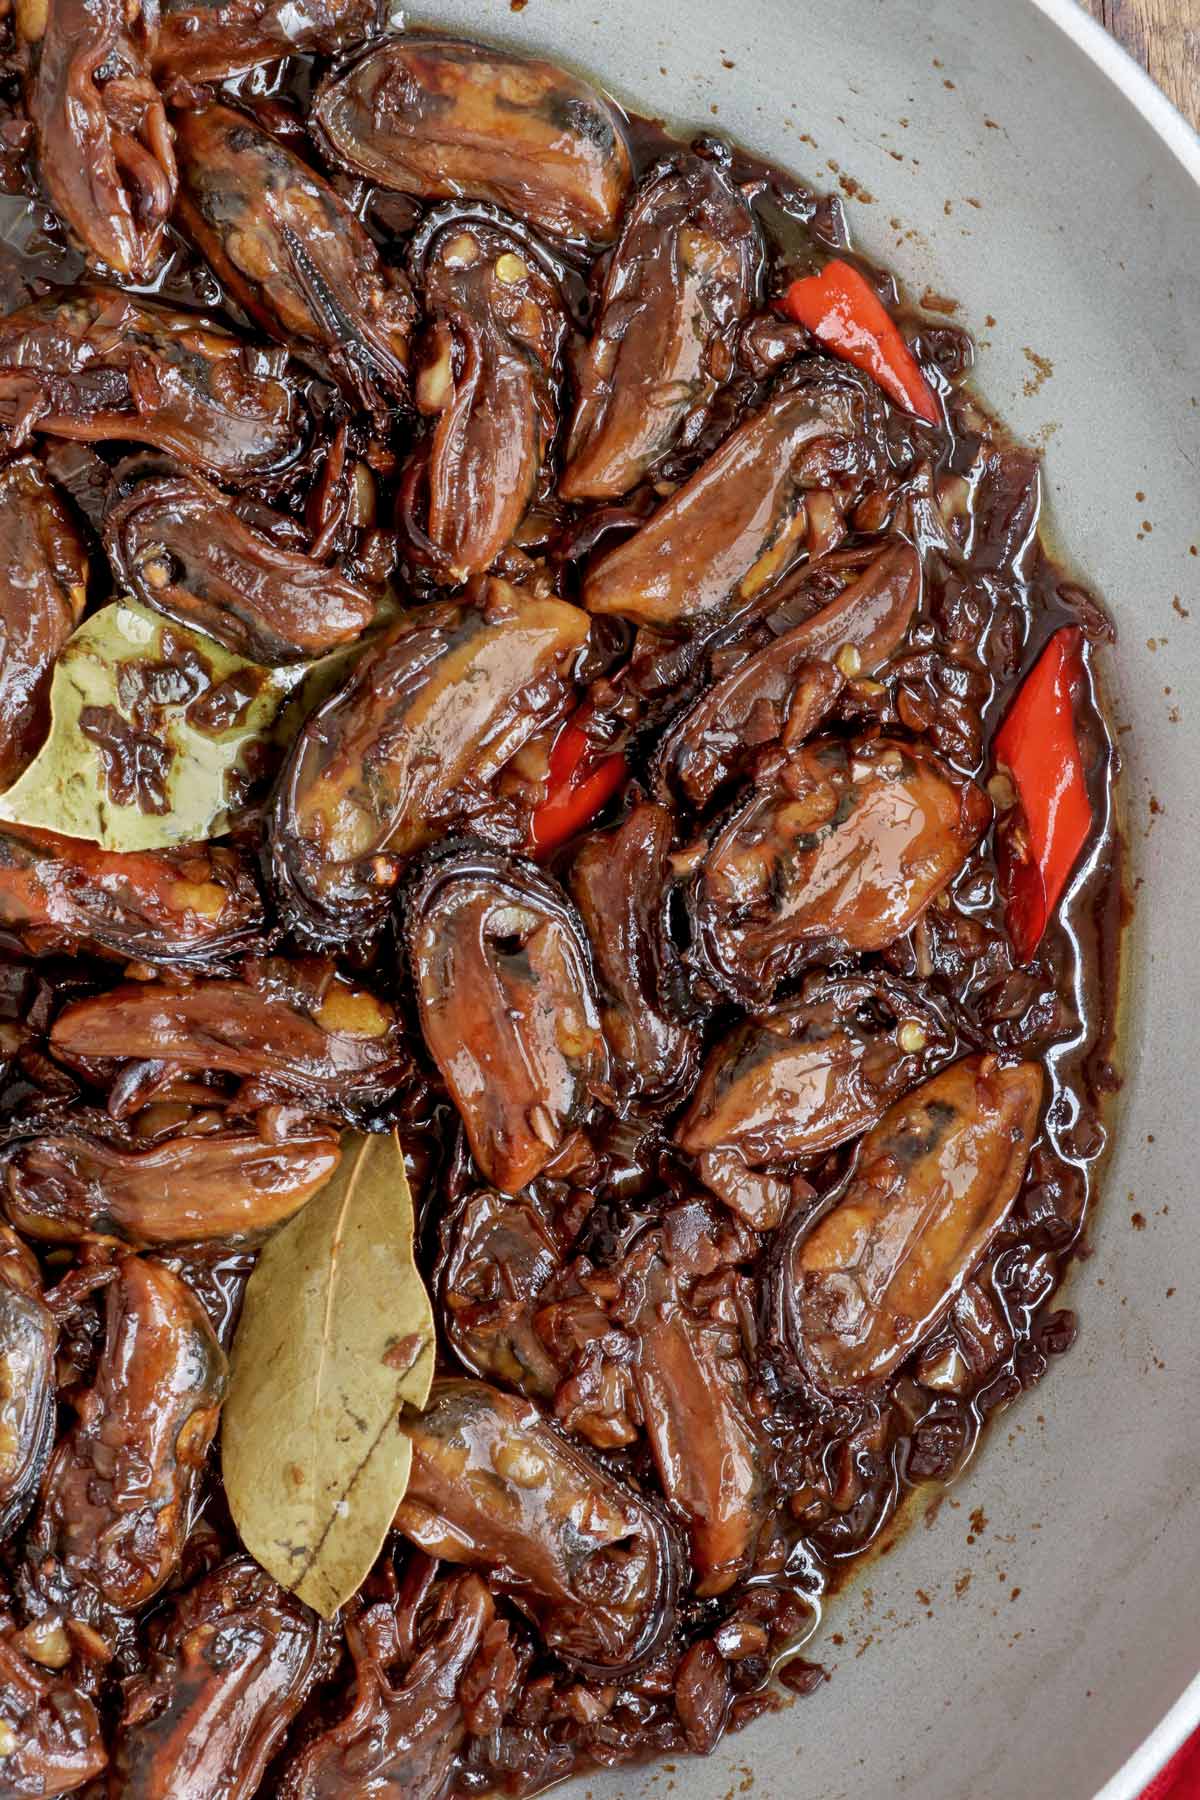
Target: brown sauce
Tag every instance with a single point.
(832, 1469)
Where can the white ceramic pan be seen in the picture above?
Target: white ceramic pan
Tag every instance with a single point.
(1023, 165)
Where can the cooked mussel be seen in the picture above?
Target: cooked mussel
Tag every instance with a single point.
(199, 41)
(496, 1487)
(64, 1187)
(180, 546)
(780, 693)
(447, 119)
(43, 585)
(28, 1335)
(619, 880)
(499, 1254)
(411, 740)
(595, 1398)
(787, 1086)
(334, 1043)
(691, 1378)
(843, 851)
(507, 1004)
(116, 1504)
(859, 600)
(400, 1737)
(231, 1664)
(93, 363)
(1006, 505)
(194, 904)
(54, 1742)
(678, 282)
(291, 252)
(777, 698)
(81, 475)
(934, 1181)
(104, 145)
(487, 372)
(741, 519)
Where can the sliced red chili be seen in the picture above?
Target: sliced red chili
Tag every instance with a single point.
(579, 785)
(842, 310)
(1039, 837)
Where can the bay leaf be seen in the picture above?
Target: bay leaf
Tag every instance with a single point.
(155, 731)
(336, 1338)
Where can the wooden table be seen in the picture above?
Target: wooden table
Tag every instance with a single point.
(1164, 35)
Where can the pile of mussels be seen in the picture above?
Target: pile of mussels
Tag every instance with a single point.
(505, 625)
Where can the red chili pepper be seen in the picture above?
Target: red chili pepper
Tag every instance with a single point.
(579, 786)
(1039, 840)
(840, 307)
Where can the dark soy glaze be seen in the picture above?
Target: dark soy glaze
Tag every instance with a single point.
(684, 1310)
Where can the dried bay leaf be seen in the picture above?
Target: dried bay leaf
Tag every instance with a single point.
(336, 1338)
(156, 732)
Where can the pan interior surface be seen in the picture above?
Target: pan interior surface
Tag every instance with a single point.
(1009, 157)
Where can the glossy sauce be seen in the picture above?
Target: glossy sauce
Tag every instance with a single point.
(642, 1285)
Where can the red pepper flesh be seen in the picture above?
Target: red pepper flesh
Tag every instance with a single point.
(1038, 842)
(579, 787)
(841, 309)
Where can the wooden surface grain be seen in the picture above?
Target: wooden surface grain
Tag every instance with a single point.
(1164, 35)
